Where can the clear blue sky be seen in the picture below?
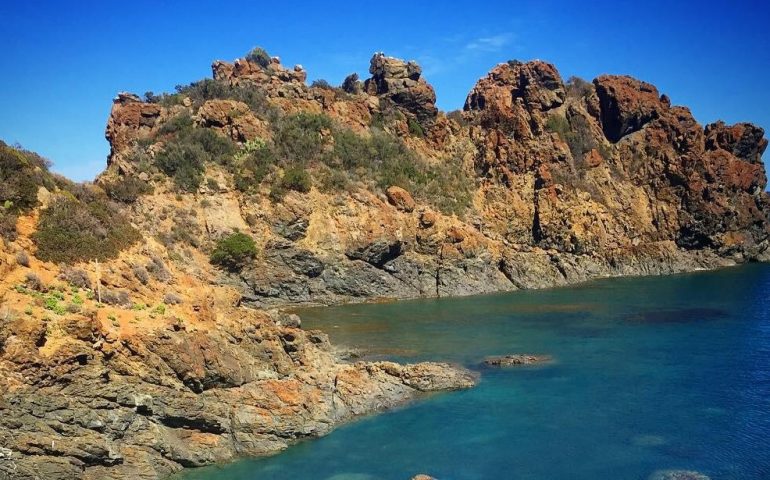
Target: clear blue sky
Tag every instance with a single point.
(64, 61)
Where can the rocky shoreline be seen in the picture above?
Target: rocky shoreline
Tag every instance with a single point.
(161, 356)
(104, 408)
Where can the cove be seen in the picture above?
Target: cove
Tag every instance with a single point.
(650, 373)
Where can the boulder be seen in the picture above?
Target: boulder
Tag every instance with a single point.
(400, 198)
(427, 219)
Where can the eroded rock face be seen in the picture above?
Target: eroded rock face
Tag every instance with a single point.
(401, 83)
(234, 119)
(627, 104)
(128, 119)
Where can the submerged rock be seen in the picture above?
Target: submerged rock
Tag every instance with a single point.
(517, 359)
(678, 475)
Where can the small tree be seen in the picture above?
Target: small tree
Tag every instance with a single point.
(351, 84)
(259, 56)
(233, 251)
(321, 83)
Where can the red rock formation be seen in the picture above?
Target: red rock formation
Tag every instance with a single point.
(402, 83)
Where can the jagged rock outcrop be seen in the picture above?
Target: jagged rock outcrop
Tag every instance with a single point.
(402, 83)
(627, 104)
(130, 117)
(276, 78)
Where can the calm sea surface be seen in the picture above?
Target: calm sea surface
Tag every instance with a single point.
(651, 373)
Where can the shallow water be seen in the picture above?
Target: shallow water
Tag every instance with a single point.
(650, 373)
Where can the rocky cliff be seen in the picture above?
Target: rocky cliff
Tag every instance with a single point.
(136, 335)
(562, 182)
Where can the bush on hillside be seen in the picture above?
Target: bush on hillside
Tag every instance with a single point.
(209, 89)
(179, 123)
(234, 251)
(252, 164)
(457, 116)
(21, 174)
(321, 83)
(183, 162)
(384, 160)
(81, 228)
(127, 189)
(576, 132)
(8, 225)
(297, 179)
(298, 139)
(415, 129)
(185, 155)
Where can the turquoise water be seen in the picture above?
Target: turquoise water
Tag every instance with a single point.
(651, 373)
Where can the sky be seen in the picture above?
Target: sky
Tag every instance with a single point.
(64, 61)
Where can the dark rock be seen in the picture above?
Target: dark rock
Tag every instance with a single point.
(517, 359)
(377, 252)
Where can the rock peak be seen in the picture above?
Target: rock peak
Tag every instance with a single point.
(401, 82)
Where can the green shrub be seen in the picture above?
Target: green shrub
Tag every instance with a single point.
(127, 189)
(350, 150)
(185, 154)
(298, 138)
(393, 162)
(185, 229)
(415, 129)
(259, 56)
(8, 225)
(557, 123)
(233, 251)
(184, 162)
(297, 179)
(218, 148)
(74, 229)
(321, 83)
(180, 123)
(334, 180)
(252, 164)
(277, 191)
(385, 160)
(576, 132)
(457, 116)
(22, 173)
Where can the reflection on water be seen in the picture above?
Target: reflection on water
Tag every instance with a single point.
(651, 374)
